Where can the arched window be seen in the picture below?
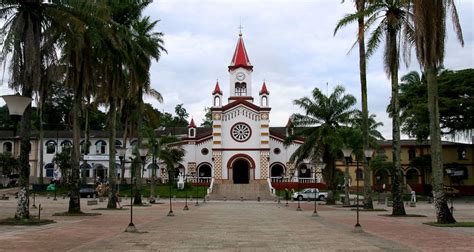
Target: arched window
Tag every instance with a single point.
(66, 143)
(134, 143)
(303, 171)
(100, 146)
(50, 146)
(192, 132)
(412, 177)
(359, 174)
(85, 147)
(204, 170)
(240, 89)
(217, 101)
(118, 143)
(7, 147)
(49, 170)
(85, 170)
(264, 101)
(277, 170)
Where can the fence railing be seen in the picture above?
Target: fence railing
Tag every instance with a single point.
(292, 179)
(200, 180)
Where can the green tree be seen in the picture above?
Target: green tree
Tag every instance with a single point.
(8, 164)
(207, 121)
(455, 103)
(360, 7)
(429, 18)
(63, 161)
(319, 125)
(391, 18)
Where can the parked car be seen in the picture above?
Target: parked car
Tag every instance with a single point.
(451, 191)
(88, 192)
(309, 193)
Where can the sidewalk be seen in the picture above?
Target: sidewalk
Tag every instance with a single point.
(233, 225)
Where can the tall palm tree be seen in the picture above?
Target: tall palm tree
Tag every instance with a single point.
(323, 117)
(429, 18)
(21, 32)
(392, 25)
(360, 7)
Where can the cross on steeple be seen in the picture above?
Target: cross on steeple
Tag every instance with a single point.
(240, 28)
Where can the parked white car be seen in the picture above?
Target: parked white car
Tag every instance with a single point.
(309, 193)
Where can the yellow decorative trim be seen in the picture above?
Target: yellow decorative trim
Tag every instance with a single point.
(264, 142)
(216, 126)
(216, 133)
(264, 134)
(264, 126)
(217, 142)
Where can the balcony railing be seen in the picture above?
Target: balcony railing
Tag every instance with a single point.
(292, 179)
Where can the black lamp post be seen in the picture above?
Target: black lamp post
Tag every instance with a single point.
(195, 175)
(170, 213)
(186, 208)
(300, 171)
(131, 227)
(121, 155)
(320, 166)
(16, 107)
(347, 155)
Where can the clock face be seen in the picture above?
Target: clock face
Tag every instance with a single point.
(240, 76)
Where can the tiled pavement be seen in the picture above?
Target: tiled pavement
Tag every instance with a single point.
(247, 226)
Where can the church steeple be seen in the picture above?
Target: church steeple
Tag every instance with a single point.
(240, 58)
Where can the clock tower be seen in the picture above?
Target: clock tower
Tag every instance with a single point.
(240, 74)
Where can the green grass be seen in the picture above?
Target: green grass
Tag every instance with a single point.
(457, 224)
(25, 222)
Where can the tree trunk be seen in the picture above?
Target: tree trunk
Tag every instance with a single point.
(138, 193)
(368, 204)
(41, 137)
(329, 176)
(398, 207)
(112, 203)
(23, 203)
(443, 214)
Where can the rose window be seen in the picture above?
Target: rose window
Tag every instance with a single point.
(240, 132)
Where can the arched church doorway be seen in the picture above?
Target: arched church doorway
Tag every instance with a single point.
(241, 171)
(277, 170)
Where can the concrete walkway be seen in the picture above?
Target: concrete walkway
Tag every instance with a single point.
(234, 226)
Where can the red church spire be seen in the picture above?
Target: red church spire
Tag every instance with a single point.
(192, 124)
(217, 89)
(240, 58)
(264, 89)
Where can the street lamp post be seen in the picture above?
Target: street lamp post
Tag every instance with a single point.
(170, 213)
(316, 191)
(347, 155)
(16, 107)
(302, 171)
(131, 227)
(186, 208)
(195, 175)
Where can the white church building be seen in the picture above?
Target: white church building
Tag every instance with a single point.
(241, 147)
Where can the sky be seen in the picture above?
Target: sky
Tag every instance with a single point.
(289, 43)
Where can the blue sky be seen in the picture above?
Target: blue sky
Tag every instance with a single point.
(289, 43)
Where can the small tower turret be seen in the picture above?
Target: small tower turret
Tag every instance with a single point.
(192, 129)
(264, 96)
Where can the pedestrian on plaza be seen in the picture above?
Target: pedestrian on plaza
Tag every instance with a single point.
(117, 200)
(413, 196)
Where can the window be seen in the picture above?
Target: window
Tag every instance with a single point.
(192, 132)
(100, 147)
(240, 132)
(412, 177)
(50, 147)
(66, 143)
(85, 147)
(411, 154)
(241, 89)
(217, 101)
(264, 101)
(7, 147)
(359, 174)
(462, 153)
(49, 170)
(204, 151)
(276, 151)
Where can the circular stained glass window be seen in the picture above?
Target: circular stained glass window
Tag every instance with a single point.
(240, 132)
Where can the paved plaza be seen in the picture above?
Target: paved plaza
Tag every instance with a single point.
(234, 226)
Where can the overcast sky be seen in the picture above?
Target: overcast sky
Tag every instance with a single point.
(289, 43)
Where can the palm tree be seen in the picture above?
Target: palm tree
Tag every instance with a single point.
(393, 26)
(429, 18)
(319, 125)
(360, 7)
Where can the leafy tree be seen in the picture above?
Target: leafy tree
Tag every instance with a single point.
(391, 18)
(207, 121)
(320, 125)
(429, 19)
(63, 161)
(8, 164)
(455, 103)
(364, 125)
